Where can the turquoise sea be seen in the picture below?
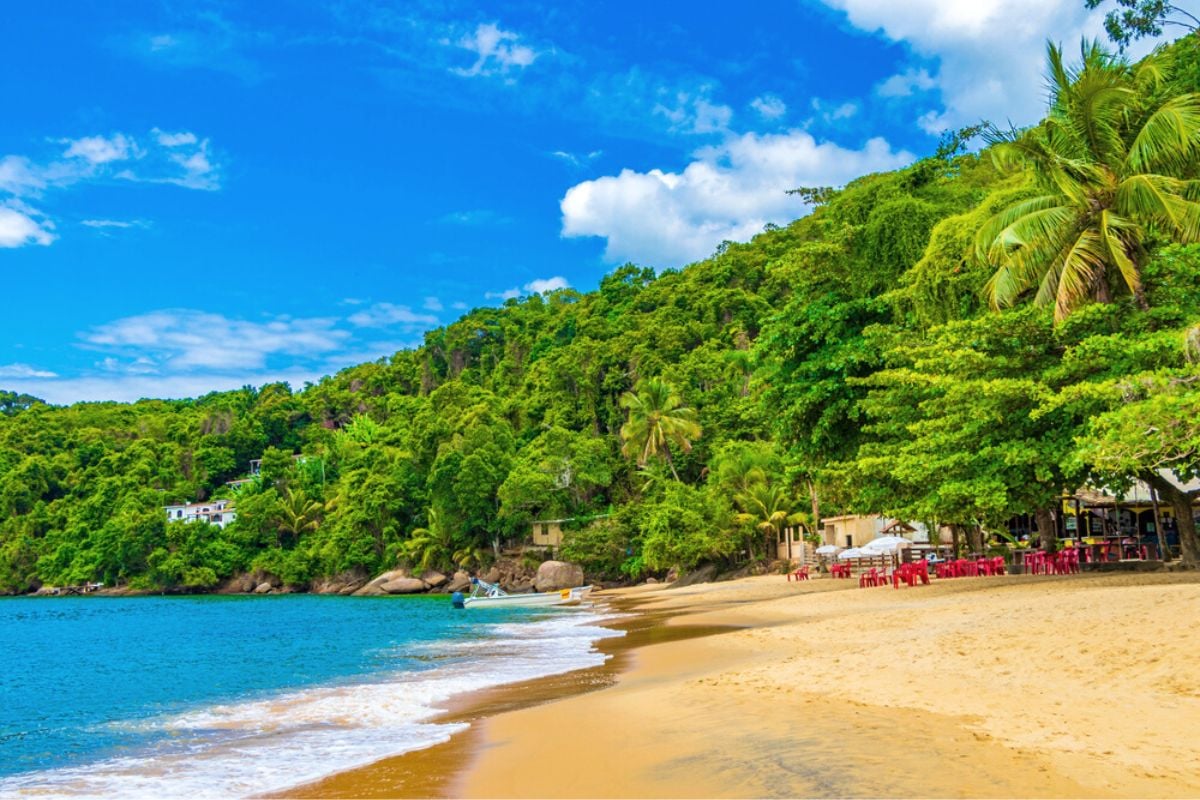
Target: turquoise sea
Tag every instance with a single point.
(221, 696)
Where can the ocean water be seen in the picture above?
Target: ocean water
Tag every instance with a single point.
(231, 696)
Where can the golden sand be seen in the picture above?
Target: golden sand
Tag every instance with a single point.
(1080, 686)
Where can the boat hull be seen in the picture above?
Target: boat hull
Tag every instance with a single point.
(564, 597)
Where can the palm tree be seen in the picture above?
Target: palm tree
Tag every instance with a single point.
(657, 419)
(431, 547)
(1107, 171)
(768, 506)
(295, 514)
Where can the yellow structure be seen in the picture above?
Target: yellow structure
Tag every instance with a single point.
(851, 530)
(548, 532)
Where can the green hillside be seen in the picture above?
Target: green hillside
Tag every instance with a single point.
(851, 357)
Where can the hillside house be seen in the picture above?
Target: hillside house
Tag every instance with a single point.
(214, 512)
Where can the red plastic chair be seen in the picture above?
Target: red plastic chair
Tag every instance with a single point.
(998, 566)
(801, 574)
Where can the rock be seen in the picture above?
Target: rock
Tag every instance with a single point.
(651, 580)
(263, 588)
(672, 575)
(522, 587)
(704, 574)
(492, 576)
(404, 586)
(434, 579)
(370, 590)
(459, 583)
(554, 575)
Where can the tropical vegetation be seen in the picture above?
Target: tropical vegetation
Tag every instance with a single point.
(957, 342)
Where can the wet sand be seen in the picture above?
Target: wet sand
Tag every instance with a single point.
(1081, 686)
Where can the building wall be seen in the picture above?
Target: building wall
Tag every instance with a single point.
(852, 530)
(547, 533)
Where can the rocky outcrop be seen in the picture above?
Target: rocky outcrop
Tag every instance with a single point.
(404, 586)
(554, 575)
(263, 588)
(342, 583)
(459, 583)
(434, 579)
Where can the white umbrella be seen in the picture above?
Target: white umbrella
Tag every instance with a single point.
(855, 552)
(827, 549)
(887, 544)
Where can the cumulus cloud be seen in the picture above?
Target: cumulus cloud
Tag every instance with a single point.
(24, 371)
(730, 191)
(185, 340)
(496, 51)
(543, 285)
(979, 76)
(20, 225)
(382, 315)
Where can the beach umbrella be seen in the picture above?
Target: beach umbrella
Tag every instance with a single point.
(827, 549)
(855, 552)
(887, 544)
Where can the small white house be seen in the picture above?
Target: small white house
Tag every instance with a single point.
(214, 512)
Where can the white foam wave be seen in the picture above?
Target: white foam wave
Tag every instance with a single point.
(244, 748)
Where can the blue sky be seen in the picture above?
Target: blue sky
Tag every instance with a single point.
(200, 195)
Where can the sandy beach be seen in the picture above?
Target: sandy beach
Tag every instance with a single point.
(1080, 686)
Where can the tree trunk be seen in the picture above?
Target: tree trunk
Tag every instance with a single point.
(816, 506)
(1181, 506)
(975, 539)
(671, 463)
(1047, 532)
(955, 534)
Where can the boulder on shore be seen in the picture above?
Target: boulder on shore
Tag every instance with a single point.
(263, 588)
(434, 579)
(404, 586)
(554, 575)
(459, 583)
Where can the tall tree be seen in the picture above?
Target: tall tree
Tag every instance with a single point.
(1106, 173)
(657, 419)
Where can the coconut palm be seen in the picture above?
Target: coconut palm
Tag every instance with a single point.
(1108, 171)
(431, 547)
(295, 514)
(657, 419)
(769, 507)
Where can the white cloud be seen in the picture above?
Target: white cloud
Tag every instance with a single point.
(174, 139)
(432, 304)
(507, 294)
(19, 226)
(24, 371)
(381, 315)
(115, 223)
(990, 54)
(459, 305)
(181, 159)
(730, 191)
(577, 160)
(181, 340)
(769, 106)
(906, 83)
(478, 216)
(694, 112)
(100, 149)
(543, 285)
(496, 51)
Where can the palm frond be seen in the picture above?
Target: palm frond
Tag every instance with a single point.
(1168, 141)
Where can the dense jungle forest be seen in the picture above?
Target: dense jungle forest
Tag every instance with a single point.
(956, 342)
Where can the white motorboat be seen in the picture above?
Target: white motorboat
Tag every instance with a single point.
(489, 595)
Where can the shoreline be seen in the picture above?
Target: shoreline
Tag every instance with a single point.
(1080, 686)
(436, 771)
